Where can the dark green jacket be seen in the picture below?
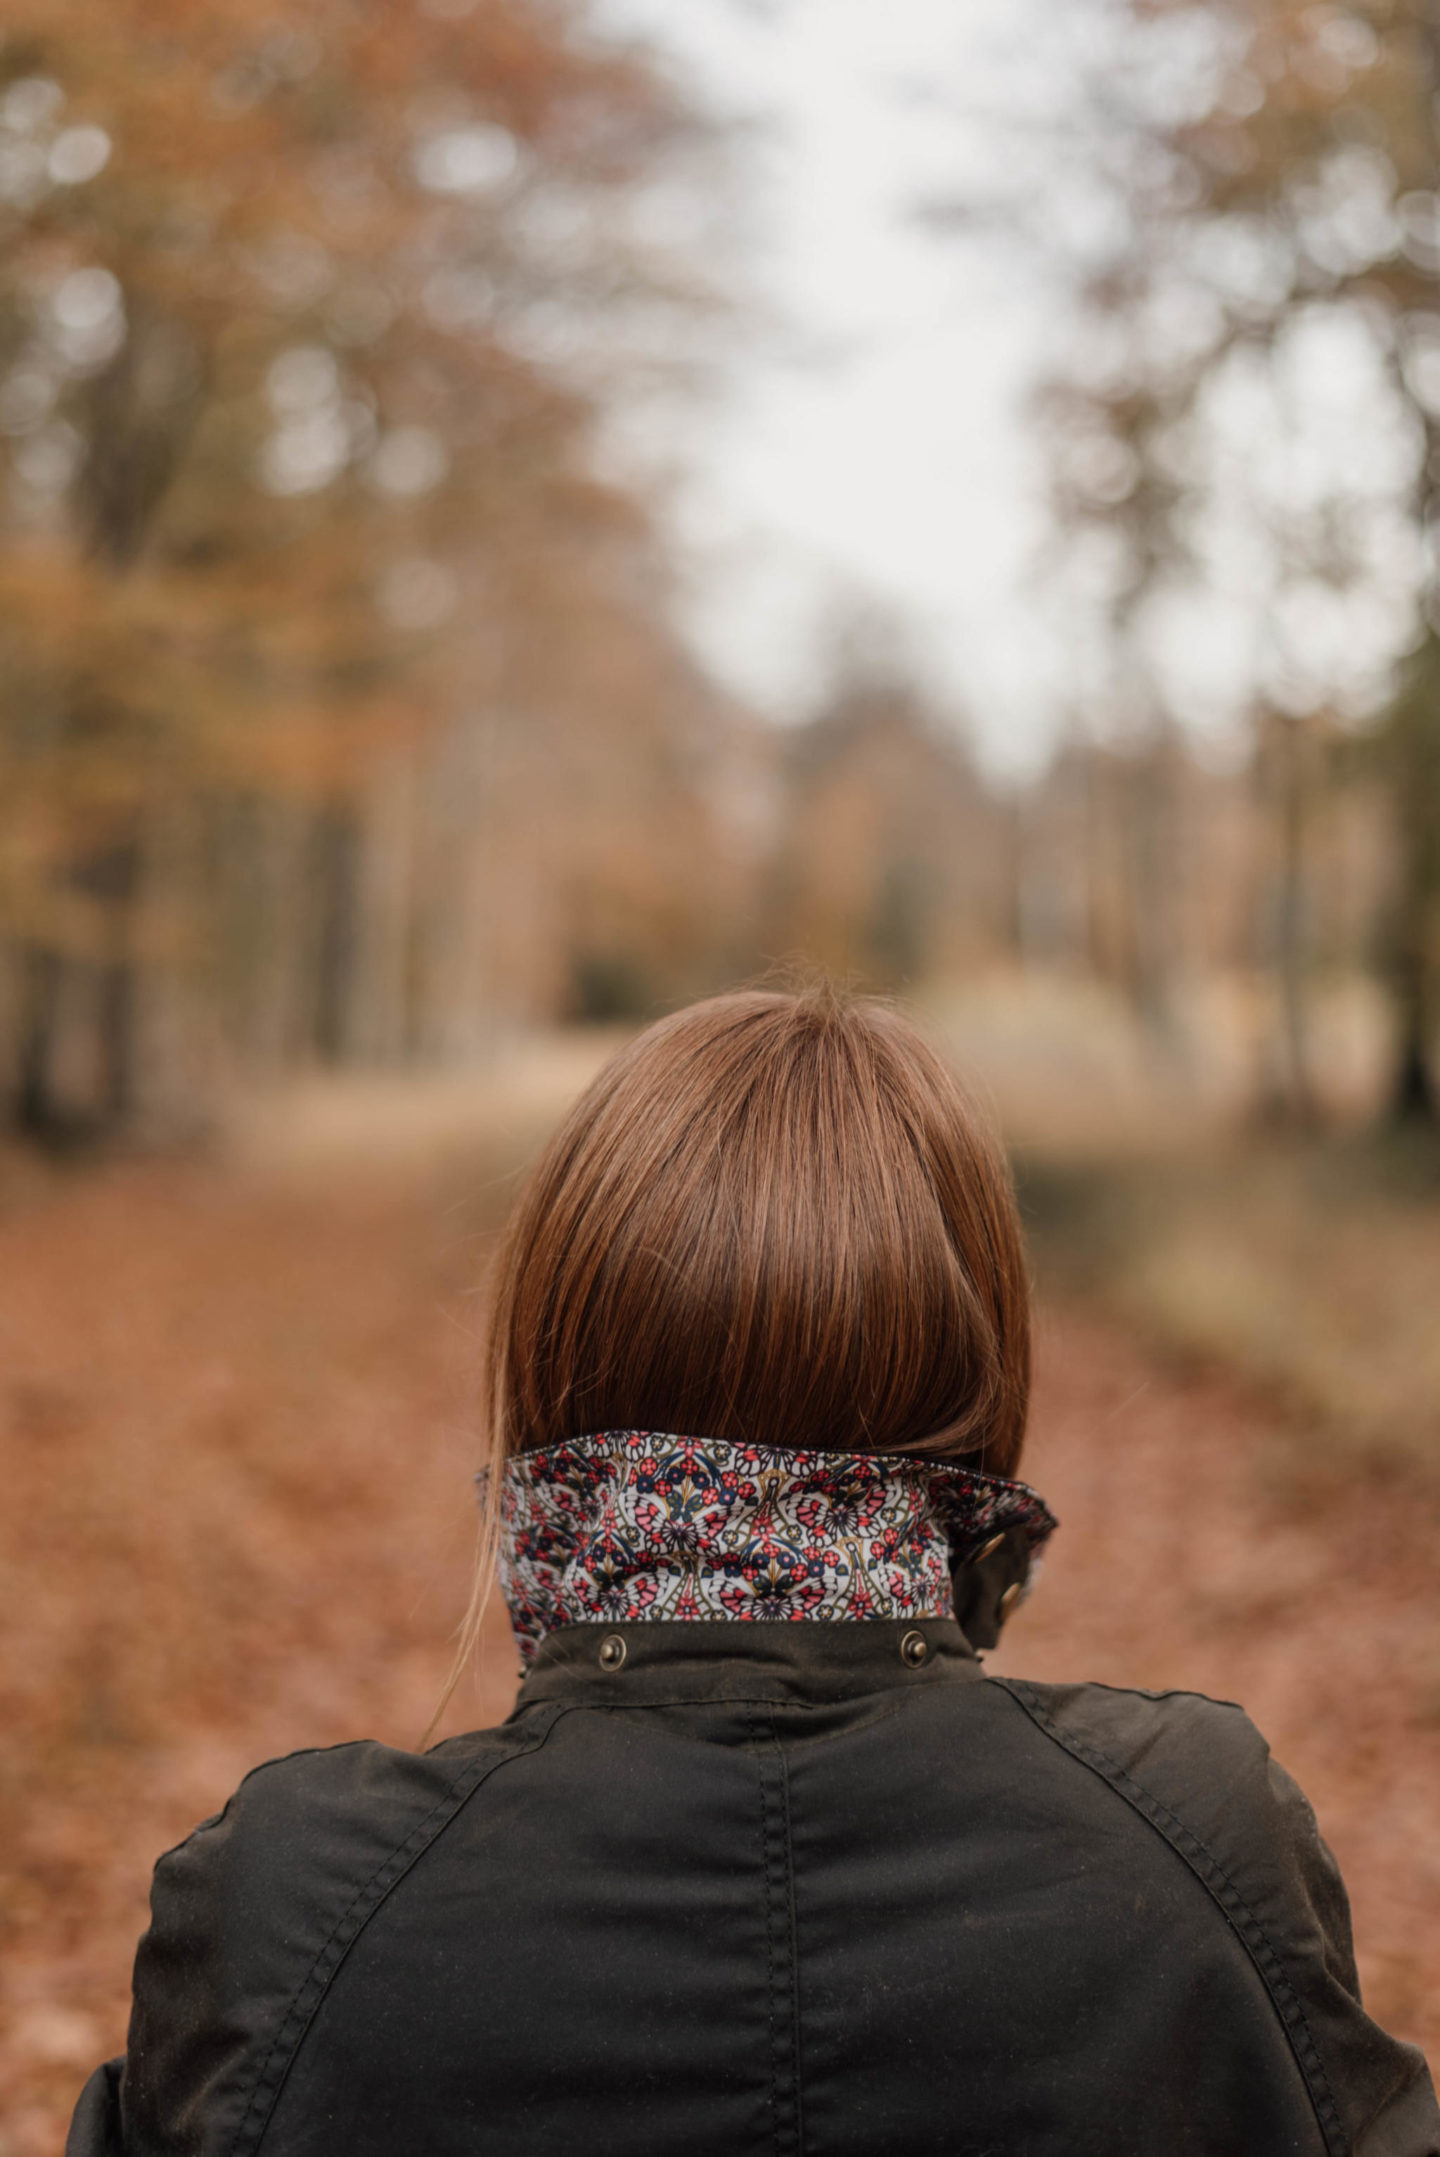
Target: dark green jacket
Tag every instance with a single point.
(765, 1888)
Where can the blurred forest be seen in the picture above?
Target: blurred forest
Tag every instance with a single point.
(359, 788)
(1249, 406)
(342, 717)
(345, 721)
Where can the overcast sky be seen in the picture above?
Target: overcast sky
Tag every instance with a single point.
(873, 439)
(878, 437)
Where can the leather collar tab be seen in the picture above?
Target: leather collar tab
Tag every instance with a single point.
(603, 1665)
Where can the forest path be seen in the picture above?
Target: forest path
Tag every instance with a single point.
(235, 1436)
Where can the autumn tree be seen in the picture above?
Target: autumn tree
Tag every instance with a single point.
(892, 857)
(1276, 229)
(307, 314)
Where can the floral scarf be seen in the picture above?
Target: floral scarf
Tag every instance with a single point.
(631, 1525)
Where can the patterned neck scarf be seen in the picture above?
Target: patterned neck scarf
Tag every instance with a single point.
(632, 1525)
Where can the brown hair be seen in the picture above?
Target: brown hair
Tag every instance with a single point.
(771, 1217)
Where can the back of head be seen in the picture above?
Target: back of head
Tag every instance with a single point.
(772, 1218)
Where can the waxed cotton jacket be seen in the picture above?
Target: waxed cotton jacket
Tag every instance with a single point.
(764, 1888)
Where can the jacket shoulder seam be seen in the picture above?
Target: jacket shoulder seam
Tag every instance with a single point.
(1132, 1692)
(269, 2076)
(1223, 1891)
(280, 1760)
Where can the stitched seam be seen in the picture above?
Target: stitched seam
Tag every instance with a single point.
(895, 1702)
(1212, 1875)
(784, 2057)
(797, 2079)
(770, 1953)
(759, 1741)
(722, 1700)
(694, 1700)
(271, 2073)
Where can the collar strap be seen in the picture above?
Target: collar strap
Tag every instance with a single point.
(628, 1527)
(583, 1665)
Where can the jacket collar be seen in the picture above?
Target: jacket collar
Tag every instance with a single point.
(628, 1528)
(770, 1661)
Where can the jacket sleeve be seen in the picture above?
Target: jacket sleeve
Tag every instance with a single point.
(250, 1918)
(237, 1914)
(95, 2129)
(1381, 2087)
(1200, 1772)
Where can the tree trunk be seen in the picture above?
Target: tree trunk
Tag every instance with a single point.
(334, 870)
(1288, 757)
(1414, 746)
(116, 878)
(1412, 753)
(36, 1111)
(1150, 837)
(1413, 1096)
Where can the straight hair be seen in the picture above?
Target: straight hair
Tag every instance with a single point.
(773, 1218)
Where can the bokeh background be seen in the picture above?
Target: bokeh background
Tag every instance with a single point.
(518, 513)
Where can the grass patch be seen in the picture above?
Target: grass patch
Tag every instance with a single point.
(1311, 1270)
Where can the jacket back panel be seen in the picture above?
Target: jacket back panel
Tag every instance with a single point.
(899, 1924)
(778, 1889)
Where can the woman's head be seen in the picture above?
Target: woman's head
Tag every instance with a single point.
(772, 1218)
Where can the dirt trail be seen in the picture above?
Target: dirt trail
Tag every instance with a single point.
(234, 1432)
(1206, 1545)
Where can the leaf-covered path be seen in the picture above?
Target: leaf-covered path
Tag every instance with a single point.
(235, 1428)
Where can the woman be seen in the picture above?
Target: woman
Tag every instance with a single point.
(763, 1861)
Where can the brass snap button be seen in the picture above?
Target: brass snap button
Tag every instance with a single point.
(988, 1550)
(612, 1652)
(914, 1649)
(1010, 1598)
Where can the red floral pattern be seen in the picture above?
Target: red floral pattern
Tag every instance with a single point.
(630, 1525)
